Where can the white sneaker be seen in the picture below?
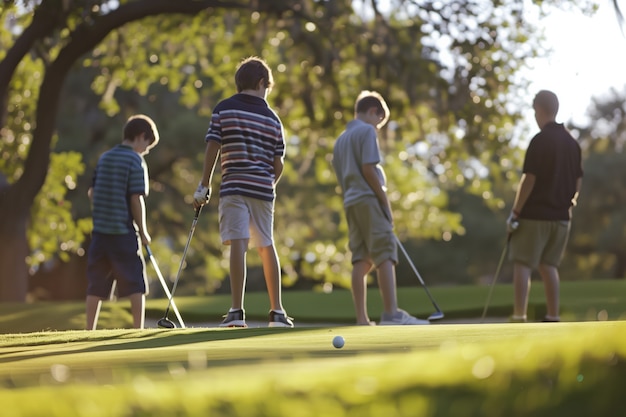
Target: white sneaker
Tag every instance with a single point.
(400, 318)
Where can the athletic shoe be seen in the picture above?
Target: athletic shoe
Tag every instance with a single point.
(279, 320)
(517, 319)
(548, 319)
(401, 317)
(235, 318)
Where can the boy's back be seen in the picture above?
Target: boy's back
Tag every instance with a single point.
(356, 146)
(120, 172)
(251, 136)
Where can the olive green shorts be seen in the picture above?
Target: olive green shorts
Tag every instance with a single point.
(538, 242)
(371, 235)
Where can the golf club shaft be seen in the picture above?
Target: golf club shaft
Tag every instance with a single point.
(495, 277)
(410, 261)
(164, 285)
(182, 260)
(417, 274)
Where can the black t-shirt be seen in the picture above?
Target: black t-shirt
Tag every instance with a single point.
(554, 157)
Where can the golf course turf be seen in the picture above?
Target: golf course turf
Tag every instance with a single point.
(574, 368)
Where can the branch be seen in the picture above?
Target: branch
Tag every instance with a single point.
(44, 22)
(620, 15)
(83, 39)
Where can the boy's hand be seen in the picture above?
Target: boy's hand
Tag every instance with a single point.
(512, 223)
(145, 238)
(202, 195)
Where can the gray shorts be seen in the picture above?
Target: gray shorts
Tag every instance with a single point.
(371, 235)
(246, 218)
(538, 242)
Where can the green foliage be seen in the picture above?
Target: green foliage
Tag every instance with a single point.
(54, 231)
(599, 226)
(448, 70)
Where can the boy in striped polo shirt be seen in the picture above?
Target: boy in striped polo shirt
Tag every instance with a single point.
(249, 136)
(119, 186)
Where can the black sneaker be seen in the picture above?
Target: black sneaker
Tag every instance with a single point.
(235, 318)
(279, 320)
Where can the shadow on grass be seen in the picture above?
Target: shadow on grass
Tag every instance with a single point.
(150, 339)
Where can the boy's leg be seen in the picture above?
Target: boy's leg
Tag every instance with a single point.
(360, 269)
(387, 285)
(271, 271)
(550, 277)
(137, 308)
(521, 287)
(238, 249)
(92, 311)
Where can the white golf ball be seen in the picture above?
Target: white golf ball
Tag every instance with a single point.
(338, 342)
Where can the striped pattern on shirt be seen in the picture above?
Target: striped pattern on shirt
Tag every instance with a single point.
(251, 136)
(120, 172)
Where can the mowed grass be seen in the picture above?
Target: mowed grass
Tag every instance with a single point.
(566, 369)
(574, 368)
(580, 301)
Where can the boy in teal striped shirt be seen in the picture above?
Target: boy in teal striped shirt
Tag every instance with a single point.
(120, 184)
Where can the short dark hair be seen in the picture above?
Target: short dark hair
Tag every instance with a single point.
(372, 99)
(250, 72)
(547, 101)
(138, 124)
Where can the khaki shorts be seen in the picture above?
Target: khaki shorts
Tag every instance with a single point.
(246, 218)
(538, 242)
(371, 235)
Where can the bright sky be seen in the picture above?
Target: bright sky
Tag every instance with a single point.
(588, 58)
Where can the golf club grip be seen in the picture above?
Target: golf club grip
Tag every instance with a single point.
(197, 212)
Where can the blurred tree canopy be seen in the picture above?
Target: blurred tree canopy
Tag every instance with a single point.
(599, 238)
(73, 71)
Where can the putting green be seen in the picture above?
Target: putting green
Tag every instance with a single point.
(440, 370)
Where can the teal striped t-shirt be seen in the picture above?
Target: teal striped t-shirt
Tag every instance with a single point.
(120, 173)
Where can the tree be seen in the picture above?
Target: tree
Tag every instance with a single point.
(71, 29)
(447, 68)
(599, 240)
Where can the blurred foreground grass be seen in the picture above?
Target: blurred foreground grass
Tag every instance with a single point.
(535, 369)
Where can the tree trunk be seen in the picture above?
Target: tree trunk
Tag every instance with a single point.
(13, 253)
(17, 198)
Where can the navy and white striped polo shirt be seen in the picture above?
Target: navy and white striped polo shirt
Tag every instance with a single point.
(120, 173)
(251, 136)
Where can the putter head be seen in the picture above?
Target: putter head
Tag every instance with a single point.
(437, 315)
(164, 323)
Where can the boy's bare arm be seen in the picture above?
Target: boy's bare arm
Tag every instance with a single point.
(279, 163)
(203, 192)
(211, 153)
(525, 187)
(371, 177)
(138, 211)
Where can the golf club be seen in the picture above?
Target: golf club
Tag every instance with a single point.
(495, 277)
(438, 315)
(166, 323)
(164, 285)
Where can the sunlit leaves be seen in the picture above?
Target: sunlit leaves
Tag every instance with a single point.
(53, 230)
(447, 70)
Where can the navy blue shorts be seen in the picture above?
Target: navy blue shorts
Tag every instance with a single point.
(116, 257)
